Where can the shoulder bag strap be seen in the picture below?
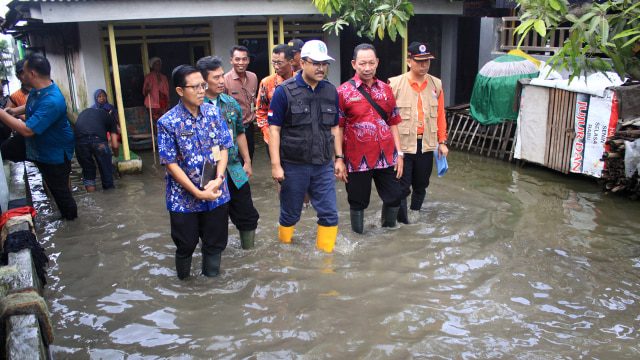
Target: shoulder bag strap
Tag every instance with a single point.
(366, 95)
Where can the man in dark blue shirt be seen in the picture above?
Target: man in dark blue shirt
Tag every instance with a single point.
(92, 144)
(303, 129)
(48, 136)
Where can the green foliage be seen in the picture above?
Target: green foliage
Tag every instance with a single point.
(609, 30)
(6, 60)
(370, 17)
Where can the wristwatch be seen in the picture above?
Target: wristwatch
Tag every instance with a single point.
(445, 143)
(400, 153)
(340, 157)
(221, 177)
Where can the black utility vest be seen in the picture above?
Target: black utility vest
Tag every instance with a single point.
(305, 135)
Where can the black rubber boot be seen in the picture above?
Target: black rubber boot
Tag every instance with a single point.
(183, 267)
(247, 238)
(211, 264)
(357, 221)
(389, 216)
(403, 216)
(416, 202)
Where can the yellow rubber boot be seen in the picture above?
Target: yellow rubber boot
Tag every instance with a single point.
(326, 237)
(285, 233)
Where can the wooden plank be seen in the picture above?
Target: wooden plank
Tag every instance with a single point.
(553, 153)
(561, 144)
(557, 138)
(493, 136)
(486, 129)
(455, 132)
(547, 145)
(568, 136)
(464, 120)
(499, 146)
(466, 134)
(474, 135)
(507, 139)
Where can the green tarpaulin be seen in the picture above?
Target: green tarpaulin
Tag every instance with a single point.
(495, 88)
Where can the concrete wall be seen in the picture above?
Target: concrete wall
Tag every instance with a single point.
(489, 41)
(91, 58)
(449, 56)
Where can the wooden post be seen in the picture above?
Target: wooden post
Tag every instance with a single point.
(107, 73)
(119, 103)
(280, 29)
(405, 52)
(270, 43)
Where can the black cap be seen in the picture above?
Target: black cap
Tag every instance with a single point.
(420, 51)
(20, 65)
(296, 45)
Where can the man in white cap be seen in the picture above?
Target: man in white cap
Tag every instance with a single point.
(303, 126)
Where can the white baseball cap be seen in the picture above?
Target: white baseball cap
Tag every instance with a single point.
(315, 50)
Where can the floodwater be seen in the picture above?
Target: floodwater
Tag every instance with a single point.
(505, 262)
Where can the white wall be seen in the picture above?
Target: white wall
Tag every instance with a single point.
(333, 46)
(489, 41)
(92, 58)
(449, 57)
(118, 10)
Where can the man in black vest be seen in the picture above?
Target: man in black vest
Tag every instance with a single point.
(303, 125)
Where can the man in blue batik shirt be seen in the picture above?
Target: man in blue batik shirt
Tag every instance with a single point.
(48, 135)
(190, 135)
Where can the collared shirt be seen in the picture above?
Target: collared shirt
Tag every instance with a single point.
(46, 114)
(442, 120)
(232, 113)
(267, 87)
(278, 106)
(368, 142)
(188, 142)
(243, 93)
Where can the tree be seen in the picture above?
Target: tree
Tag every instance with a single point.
(609, 28)
(370, 17)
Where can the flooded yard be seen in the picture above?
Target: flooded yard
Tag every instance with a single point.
(505, 262)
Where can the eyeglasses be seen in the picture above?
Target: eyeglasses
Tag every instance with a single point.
(277, 63)
(317, 65)
(198, 87)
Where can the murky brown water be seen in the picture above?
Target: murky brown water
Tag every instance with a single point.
(506, 262)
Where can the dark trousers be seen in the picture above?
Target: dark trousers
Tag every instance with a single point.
(359, 187)
(14, 148)
(251, 142)
(56, 176)
(415, 175)
(88, 149)
(210, 226)
(241, 210)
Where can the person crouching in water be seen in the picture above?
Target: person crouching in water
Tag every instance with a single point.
(192, 136)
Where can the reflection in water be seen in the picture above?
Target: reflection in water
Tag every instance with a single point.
(503, 262)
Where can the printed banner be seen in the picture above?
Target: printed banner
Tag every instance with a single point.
(577, 151)
(594, 121)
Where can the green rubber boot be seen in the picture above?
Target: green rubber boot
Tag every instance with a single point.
(183, 267)
(357, 221)
(247, 238)
(211, 264)
(389, 216)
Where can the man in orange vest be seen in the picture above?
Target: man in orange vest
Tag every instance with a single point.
(423, 128)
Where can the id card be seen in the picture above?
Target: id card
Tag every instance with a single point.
(216, 153)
